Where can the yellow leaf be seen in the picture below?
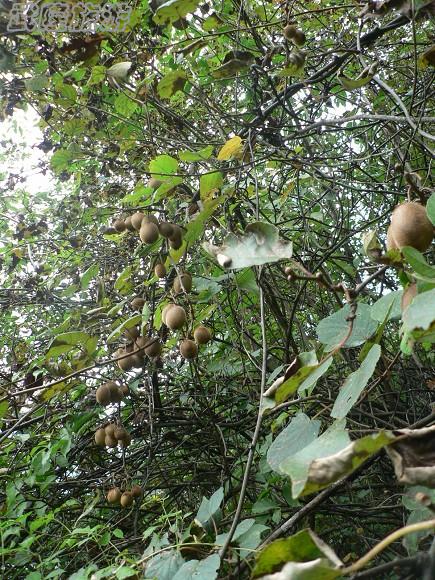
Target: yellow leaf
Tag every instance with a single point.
(232, 148)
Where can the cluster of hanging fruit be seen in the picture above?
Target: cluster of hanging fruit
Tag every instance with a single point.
(112, 435)
(150, 228)
(116, 497)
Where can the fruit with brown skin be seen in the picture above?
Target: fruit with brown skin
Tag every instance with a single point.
(182, 281)
(137, 303)
(136, 220)
(154, 183)
(119, 225)
(132, 333)
(110, 429)
(165, 312)
(188, 348)
(202, 334)
(166, 229)
(160, 270)
(410, 226)
(126, 441)
(126, 499)
(125, 364)
(136, 490)
(125, 390)
(114, 495)
(120, 433)
(115, 392)
(110, 441)
(149, 233)
(100, 436)
(294, 34)
(154, 348)
(176, 238)
(175, 317)
(128, 224)
(150, 218)
(103, 395)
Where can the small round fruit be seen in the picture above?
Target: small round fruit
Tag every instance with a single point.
(119, 225)
(125, 390)
(126, 499)
(391, 244)
(136, 220)
(114, 495)
(136, 490)
(103, 395)
(154, 183)
(202, 334)
(115, 392)
(126, 441)
(110, 441)
(154, 347)
(184, 280)
(175, 317)
(120, 433)
(177, 233)
(125, 364)
(110, 429)
(132, 333)
(128, 224)
(188, 349)
(166, 229)
(297, 36)
(100, 436)
(137, 303)
(410, 226)
(150, 218)
(140, 342)
(160, 270)
(165, 312)
(149, 233)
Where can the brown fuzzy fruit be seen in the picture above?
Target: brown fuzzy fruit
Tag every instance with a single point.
(297, 36)
(119, 225)
(128, 224)
(160, 270)
(188, 349)
(136, 490)
(165, 312)
(176, 238)
(154, 347)
(114, 495)
(202, 334)
(140, 342)
(103, 395)
(391, 244)
(120, 433)
(126, 441)
(126, 499)
(110, 429)
(110, 441)
(125, 364)
(184, 280)
(137, 303)
(166, 229)
(125, 390)
(136, 220)
(150, 218)
(149, 233)
(132, 333)
(100, 436)
(154, 183)
(410, 226)
(115, 392)
(175, 317)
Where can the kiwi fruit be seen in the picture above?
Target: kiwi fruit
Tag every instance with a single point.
(126, 499)
(137, 359)
(154, 183)
(183, 280)
(160, 270)
(176, 238)
(294, 34)
(103, 395)
(114, 495)
(125, 390)
(131, 333)
(119, 225)
(410, 226)
(154, 347)
(128, 224)
(149, 233)
(140, 342)
(165, 312)
(125, 364)
(110, 429)
(100, 436)
(151, 219)
(136, 490)
(110, 441)
(120, 433)
(175, 317)
(136, 220)
(166, 229)
(137, 303)
(188, 348)
(202, 334)
(115, 392)
(126, 441)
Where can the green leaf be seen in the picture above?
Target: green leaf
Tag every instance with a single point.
(98, 74)
(195, 228)
(68, 340)
(163, 166)
(88, 275)
(430, 208)
(123, 283)
(171, 83)
(303, 379)
(201, 155)
(199, 569)
(333, 329)
(164, 566)
(355, 384)
(259, 245)
(174, 10)
(390, 302)
(61, 160)
(4, 407)
(209, 507)
(129, 323)
(417, 261)
(37, 83)
(124, 105)
(420, 316)
(209, 183)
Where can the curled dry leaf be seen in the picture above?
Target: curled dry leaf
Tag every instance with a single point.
(413, 456)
